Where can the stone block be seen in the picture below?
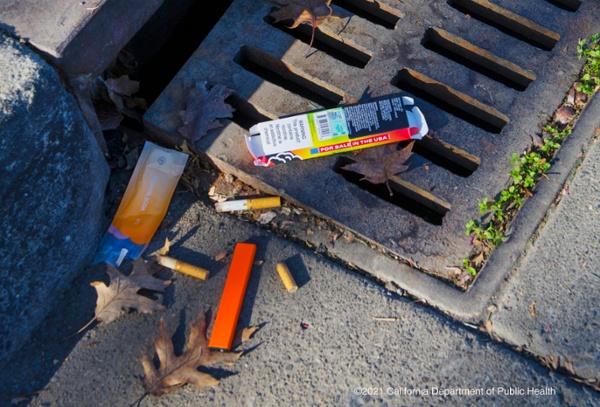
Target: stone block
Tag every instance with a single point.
(80, 37)
(52, 182)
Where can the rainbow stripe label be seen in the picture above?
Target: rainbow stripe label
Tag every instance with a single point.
(380, 121)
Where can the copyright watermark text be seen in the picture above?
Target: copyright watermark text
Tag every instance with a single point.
(454, 391)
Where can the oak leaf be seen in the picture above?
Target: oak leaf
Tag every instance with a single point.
(121, 88)
(113, 100)
(564, 115)
(311, 12)
(122, 292)
(174, 371)
(379, 164)
(203, 110)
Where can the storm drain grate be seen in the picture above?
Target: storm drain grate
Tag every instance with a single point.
(485, 76)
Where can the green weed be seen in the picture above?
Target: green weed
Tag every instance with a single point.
(528, 169)
(590, 50)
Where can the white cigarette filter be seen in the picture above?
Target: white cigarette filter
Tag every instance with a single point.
(249, 204)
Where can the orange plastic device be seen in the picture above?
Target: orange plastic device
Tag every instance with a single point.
(233, 296)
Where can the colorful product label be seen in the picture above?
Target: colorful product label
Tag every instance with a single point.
(143, 206)
(383, 120)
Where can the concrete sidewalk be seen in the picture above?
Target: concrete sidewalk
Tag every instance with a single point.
(342, 339)
(412, 356)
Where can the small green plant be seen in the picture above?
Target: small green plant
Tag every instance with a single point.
(468, 268)
(528, 169)
(589, 49)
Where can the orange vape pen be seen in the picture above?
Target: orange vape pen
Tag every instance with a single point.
(233, 296)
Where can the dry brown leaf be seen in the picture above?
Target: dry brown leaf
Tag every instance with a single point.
(108, 117)
(348, 99)
(574, 97)
(571, 95)
(532, 309)
(120, 87)
(174, 371)
(538, 141)
(478, 260)
(488, 326)
(186, 149)
(332, 237)
(248, 332)
(266, 217)
(311, 12)
(564, 115)
(163, 251)
(569, 367)
(122, 292)
(464, 278)
(113, 100)
(243, 335)
(379, 164)
(221, 256)
(203, 110)
(552, 361)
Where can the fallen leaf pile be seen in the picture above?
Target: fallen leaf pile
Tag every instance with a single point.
(122, 292)
(113, 100)
(203, 110)
(174, 371)
(379, 164)
(311, 12)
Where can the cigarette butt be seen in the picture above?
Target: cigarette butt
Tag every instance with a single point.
(383, 319)
(286, 277)
(249, 204)
(264, 203)
(183, 267)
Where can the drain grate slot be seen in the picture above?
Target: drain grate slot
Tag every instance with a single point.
(407, 196)
(447, 156)
(373, 11)
(452, 101)
(343, 50)
(246, 114)
(508, 22)
(477, 59)
(571, 5)
(156, 71)
(281, 74)
(419, 225)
